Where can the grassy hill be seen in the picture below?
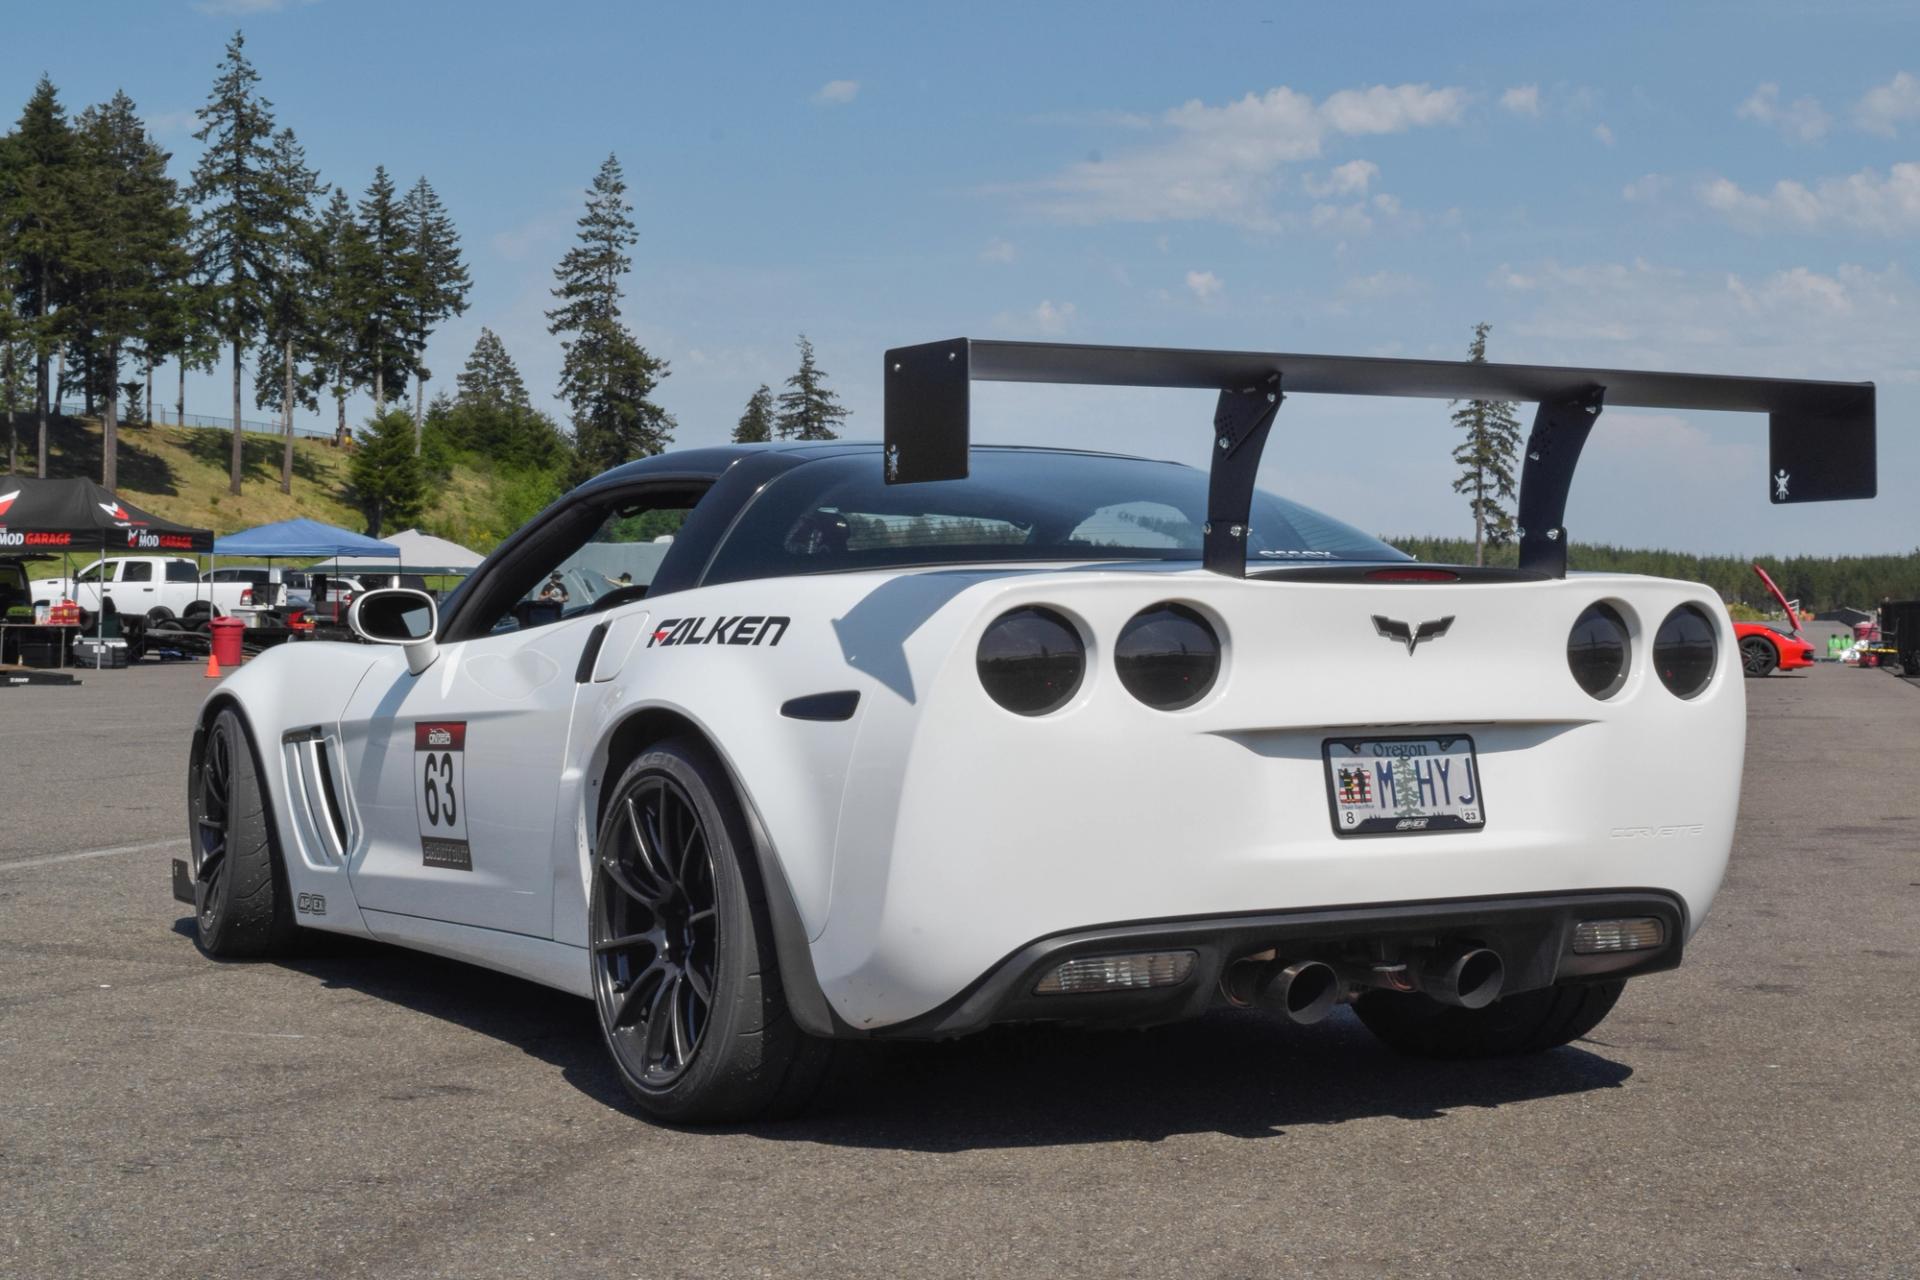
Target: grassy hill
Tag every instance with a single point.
(180, 473)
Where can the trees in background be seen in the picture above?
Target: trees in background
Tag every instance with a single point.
(607, 378)
(436, 283)
(382, 288)
(126, 253)
(36, 206)
(283, 369)
(756, 423)
(808, 410)
(241, 215)
(389, 479)
(1486, 457)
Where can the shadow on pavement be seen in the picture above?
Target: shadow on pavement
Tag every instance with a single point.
(1242, 1075)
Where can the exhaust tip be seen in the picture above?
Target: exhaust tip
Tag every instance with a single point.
(1305, 991)
(1470, 979)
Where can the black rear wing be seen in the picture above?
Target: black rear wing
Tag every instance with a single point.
(1821, 434)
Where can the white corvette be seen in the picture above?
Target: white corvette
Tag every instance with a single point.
(912, 739)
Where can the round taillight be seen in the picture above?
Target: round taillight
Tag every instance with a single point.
(1167, 656)
(1598, 650)
(1684, 650)
(1031, 660)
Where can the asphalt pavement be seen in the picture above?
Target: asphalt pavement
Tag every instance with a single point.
(364, 1111)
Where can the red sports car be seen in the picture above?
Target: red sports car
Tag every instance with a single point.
(1764, 650)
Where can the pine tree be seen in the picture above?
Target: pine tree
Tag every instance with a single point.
(1486, 458)
(756, 424)
(607, 378)
(389, 482)
(340, 266)
(237, 244)
(437, 282)
(127, 248)
(808, 410)
(16, 386)
(37, 172)
(288, 331)
(383, 272)
(492, 417)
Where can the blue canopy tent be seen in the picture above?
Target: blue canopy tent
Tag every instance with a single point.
(300, 538)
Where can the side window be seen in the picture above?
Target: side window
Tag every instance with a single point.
(89, 574)
(614, 566)
(136, 571)
(182, 571)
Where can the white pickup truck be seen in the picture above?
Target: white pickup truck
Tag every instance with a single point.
(154, 587)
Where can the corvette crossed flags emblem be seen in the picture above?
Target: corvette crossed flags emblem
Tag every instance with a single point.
(1411, 636)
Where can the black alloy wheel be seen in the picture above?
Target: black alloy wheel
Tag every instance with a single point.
(656, 931)
(1757, 657)
(686, 980)
(241, 903)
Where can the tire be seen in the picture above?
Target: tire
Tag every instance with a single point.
(159, 615)
(1530, 1022)
(1758, 657)
(676, 907)
(241, 904)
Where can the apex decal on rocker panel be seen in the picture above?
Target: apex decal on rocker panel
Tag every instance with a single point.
(744, 629)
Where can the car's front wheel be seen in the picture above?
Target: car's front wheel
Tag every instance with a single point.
(1528, 1022)
(241, 902)
(684, 977)
(1757, 657)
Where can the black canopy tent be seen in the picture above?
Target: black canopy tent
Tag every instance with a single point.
(41, 517)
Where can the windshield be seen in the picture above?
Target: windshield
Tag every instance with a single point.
(1016, 505)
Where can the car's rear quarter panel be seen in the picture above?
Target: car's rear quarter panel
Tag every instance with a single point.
(968, 831)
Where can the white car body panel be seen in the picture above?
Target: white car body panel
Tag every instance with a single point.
(934, 833)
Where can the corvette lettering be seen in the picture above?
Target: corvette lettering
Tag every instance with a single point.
(742, 629)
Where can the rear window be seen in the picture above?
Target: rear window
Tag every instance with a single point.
(839, 513)
(182, 571)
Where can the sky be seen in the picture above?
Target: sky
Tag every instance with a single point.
(1714, 187)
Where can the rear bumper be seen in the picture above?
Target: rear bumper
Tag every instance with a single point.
(1532, 933)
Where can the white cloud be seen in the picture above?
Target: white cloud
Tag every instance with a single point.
(1223, 163)
(836, 92)
(1802, 120)
(1051, 318)
(169, 124)
(1848, 322)
(1204, 284)
(1603, 135)
(1865, 201)
(1348, 179)
(1885, 107)
(1522, 100)
(1646, 188)
(997, 250)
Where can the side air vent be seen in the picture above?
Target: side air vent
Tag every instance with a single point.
(322, 816)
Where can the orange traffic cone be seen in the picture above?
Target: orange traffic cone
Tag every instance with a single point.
(213, 666)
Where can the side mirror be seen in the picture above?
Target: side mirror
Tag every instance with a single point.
(402, 616)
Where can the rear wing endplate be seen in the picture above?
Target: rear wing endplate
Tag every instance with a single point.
(1820, 434)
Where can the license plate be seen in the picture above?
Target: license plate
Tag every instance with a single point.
(1391, 786)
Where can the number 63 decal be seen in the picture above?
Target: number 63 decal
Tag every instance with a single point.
(440, 795)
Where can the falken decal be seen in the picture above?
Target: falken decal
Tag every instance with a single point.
(742, 629)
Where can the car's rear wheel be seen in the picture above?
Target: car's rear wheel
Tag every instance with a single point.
(241, 904)
(1757, 657)
(684, 978)
(1529, 1022)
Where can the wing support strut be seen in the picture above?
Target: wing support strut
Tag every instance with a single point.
(1241, 421)
(1559, 432)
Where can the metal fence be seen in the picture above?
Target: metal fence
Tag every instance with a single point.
(166, 417)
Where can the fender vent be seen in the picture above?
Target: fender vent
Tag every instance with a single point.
(322, 818)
